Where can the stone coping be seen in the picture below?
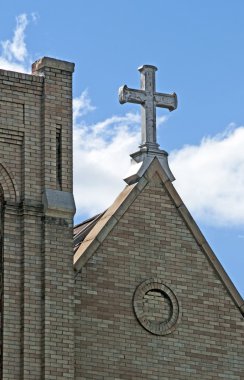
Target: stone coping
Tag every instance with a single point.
(47, 62)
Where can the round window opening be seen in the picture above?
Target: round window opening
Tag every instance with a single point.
(156, 307)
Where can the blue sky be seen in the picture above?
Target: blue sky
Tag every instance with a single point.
(198, 49)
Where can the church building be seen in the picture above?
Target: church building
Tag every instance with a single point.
(134, 293)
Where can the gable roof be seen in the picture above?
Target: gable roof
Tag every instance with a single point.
(101, 225)
(81, 230)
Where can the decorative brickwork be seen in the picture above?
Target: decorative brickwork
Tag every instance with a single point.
(156, 307)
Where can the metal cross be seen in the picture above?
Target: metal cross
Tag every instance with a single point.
(149, 99)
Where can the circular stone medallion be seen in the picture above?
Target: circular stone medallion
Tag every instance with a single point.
(156, 307)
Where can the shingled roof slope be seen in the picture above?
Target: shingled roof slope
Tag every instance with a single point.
(82, 229)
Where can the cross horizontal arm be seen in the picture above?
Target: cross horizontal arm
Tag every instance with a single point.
(127, 94)
(166, 100)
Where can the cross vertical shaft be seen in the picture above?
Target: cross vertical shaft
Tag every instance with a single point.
(148, 110)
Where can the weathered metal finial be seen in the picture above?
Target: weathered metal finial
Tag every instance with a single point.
(149, 100)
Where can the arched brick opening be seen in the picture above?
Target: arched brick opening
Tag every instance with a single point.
(8, 185)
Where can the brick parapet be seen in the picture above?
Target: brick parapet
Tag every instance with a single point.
(47, 63)
(32, 108)
(56, 118)
(15, 76)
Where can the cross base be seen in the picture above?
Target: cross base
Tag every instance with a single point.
(149, 147)
(141, 161)
(143, 153)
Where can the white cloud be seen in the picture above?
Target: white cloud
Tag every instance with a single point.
(14, 55)
(34, 16)
(210, 177)
(81, 106)
(101, 156)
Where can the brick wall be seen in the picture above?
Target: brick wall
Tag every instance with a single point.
(115, 337)
(151, 241)
(1, 276)
(38, 211)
